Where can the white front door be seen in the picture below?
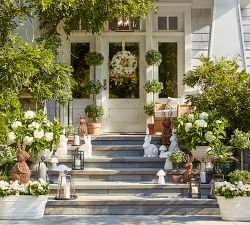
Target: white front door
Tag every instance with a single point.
(123, 100)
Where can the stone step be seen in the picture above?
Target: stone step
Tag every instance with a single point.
(118, 140)
(113, 150)
(132, 188)
(132, 205)
(121, 162)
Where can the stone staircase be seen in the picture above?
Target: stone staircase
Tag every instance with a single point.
(118, 180)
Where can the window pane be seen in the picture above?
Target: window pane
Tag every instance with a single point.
(125, 87)
(168, 69)
(173, 23)
(81, 72)
(162, 23)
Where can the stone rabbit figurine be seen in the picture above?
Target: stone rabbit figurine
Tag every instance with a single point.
(150, 150)
(87, 146)
(21, 171)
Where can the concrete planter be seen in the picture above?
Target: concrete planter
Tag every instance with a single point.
(22, 207)
(235, 209)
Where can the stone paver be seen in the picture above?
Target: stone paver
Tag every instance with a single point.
(125, 220)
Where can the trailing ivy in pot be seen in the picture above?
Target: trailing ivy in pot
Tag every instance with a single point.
(177, 157)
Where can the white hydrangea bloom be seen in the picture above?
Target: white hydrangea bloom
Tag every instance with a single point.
(209, 136)
(191, 117)
(11, 137)
(29, 115)
(218, 121)
(38, 134)
(203, 116)
(200, 123)
(188, 126)
(28, 140)
(35, 125)
(63, 139)
(16, 124)
(49, 136)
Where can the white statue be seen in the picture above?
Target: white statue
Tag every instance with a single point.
(87, 146)
(174, 144)
(164, 152)
(61, 151)
(53, 162)
(161, 179)
(150, 150)
(43, 171)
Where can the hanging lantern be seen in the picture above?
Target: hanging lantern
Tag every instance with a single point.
(194, 190)
(42, 170)
(77, 159)
(65, 188)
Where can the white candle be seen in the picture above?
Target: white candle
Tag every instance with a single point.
(76, 140)
(203, 177)
(195, 190)
(66, 191)
(78, 164)
(43, 171)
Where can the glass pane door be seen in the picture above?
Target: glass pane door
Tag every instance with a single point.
(127, 87)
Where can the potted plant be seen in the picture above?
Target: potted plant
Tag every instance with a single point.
(241, 141)
(224, 162)
(177, 157)
(149, 111)
(239, 176)
(201, 131)
(23, 201)
(94, 112)
(234, 198)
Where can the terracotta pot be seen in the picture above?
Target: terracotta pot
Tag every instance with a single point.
(151, 128)
(94, 128)
(176, 178)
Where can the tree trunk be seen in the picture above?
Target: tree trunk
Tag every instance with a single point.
(241, 159)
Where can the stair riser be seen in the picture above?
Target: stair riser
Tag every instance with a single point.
(113, 154)
(110, 165)
(116, 142)
(133, 209)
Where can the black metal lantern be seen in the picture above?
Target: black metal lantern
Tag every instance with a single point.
(42, 170)
(65, 188)
(194, 188)
(77, 159)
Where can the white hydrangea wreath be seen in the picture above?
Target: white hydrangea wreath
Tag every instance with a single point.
(123, 64)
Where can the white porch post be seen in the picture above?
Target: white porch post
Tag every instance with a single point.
(226, 35)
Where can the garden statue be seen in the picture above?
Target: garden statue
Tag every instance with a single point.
(189, 169)
(163, 151)
(167, 132)
(61, 152)
(82, 130)
(21, 171)
(87, 146)
(150, 150)
(161, 179)
(174, 144)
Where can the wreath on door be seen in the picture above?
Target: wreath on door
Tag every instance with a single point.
(123, 64)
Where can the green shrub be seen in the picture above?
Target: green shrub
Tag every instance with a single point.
(153, 57)
(177, 157)
(240, 175)
(94, 112)
(154, 86)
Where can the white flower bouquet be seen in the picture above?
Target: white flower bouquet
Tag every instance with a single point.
(34, 188)
(35, 131)
(200, 129)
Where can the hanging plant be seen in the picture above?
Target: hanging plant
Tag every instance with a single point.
(94, 58)
(123, 64)
(153, 57)
(154, 86)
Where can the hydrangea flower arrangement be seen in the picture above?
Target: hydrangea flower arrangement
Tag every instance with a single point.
(34, 188)
(35, 131)
(200, 129)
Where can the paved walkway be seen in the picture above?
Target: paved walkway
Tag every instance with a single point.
(125, 220)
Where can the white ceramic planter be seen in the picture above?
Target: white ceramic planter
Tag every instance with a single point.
(234, 209)
(200, 153)
(22, 207)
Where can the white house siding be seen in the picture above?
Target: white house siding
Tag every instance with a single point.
(245, 17)
(201, 21)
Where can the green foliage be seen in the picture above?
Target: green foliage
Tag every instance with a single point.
(7, 155)
(39, 187)
(93, 87)
(94, 59)
(42, 76)
(221, 152)
(240, 176)
(177, 157)
(229, 190)
(69, 130)
(149, 108)
(94, 112)
(197, 128)
(154, 86)
(223, 88)
(153, 57)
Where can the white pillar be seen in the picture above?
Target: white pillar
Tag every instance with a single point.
(226, 34)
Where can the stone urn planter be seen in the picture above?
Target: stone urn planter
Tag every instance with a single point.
(200, 153)
(94, 128)
(234, 209)
(22, 207)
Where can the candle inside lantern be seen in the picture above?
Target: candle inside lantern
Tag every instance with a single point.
(66, 191)
(203, 177)
(77, 163)
(76, 140)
